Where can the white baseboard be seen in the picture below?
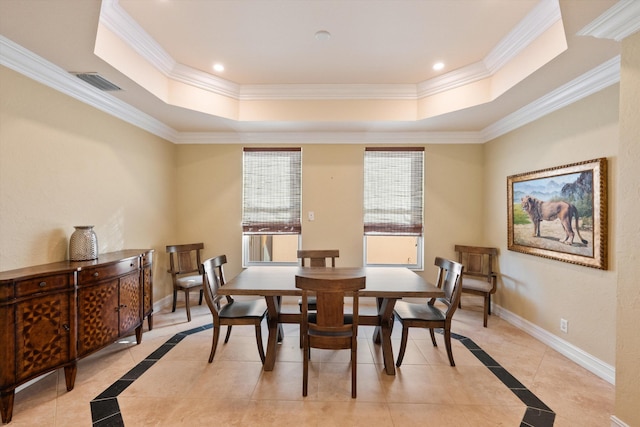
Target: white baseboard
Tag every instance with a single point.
(575, 354)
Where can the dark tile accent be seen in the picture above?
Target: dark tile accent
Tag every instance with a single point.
(538, 418)
(138, 370)
(537, 414)
(506, 378)
(105, 411)
(114, 390)
(113, 421)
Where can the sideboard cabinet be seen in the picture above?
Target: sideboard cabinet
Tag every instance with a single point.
(51, 315)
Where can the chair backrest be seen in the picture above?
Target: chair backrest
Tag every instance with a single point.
(450, 281)
(185, 259)
(330, 296)
(318, 258)
(214, 279)
(477, 261)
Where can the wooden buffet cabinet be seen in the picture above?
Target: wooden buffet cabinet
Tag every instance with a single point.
(51, 315)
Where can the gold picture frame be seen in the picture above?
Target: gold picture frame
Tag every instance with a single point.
(544, 206)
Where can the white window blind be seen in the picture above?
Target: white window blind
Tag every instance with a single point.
(271, 191)
(393, 191)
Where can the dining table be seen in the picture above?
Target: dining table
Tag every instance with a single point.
(385, 284)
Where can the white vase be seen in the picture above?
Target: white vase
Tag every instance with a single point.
(83, 244)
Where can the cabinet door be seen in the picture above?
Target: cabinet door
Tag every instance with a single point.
(98, 321)
(130, 308)
(43, 326)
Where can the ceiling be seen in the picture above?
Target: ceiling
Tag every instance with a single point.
(506, 63)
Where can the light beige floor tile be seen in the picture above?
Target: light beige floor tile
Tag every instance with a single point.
(425, 415)
(183, 389)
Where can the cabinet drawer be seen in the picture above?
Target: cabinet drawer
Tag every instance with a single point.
(95, 274)
(6, 291)
(42, 284)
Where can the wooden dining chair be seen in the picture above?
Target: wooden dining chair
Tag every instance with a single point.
(316, 258)
(234, 312)
(186, 275)
(428, 315)
(479, 277)
(329, 327)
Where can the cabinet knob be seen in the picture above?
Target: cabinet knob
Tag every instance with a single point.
(66, 327)
(42, 284)
(96, 274)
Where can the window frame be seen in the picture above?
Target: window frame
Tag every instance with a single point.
(256, 224)
(399, 228)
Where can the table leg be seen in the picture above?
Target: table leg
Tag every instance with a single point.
(275, 330)
(382, 333)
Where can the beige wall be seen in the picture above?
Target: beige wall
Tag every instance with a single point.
(332, 186)
(541, 290)
(628, 231)
(63, 163)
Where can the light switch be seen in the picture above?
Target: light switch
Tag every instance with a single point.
(312, 216)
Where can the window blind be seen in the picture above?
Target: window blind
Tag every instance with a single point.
(271, 191)
(393, 191)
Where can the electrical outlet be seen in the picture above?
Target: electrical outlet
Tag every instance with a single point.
(311, 216)
(564, 325)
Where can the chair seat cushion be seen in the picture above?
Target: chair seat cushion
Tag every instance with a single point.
(476, 284)
(190, 281)
(250, 309)
(413, 311)
(311, 304)
(348, 318)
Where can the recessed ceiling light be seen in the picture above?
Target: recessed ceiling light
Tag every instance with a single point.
(218, 67)
(323, 35)
(438, 66)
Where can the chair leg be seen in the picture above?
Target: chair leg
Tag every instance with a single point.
(433, 337)
(403, 345)
(187, 305)
(258, 340)
(201, 294)
(226, 338)
(175, 297)
(354, 369)
(214, 344)
(305, 369)
(487, 308)
(447, 343)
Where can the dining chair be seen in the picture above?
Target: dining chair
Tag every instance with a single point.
(234, 312)
(479, 277)
(315, 258)
(428, 315)
(184, 267)
(329, 327)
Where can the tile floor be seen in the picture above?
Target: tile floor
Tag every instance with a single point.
(181, 388)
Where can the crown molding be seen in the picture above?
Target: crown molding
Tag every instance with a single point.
(620, 21)
(543, 16)
(587, 84)
(35, 67)
(329, 138)
(540, 19)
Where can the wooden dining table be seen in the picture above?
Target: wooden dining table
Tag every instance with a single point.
(386, 284)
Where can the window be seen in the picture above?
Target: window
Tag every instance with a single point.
(271, 205)
(393, 205)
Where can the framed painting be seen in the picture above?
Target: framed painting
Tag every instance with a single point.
(560, 213)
